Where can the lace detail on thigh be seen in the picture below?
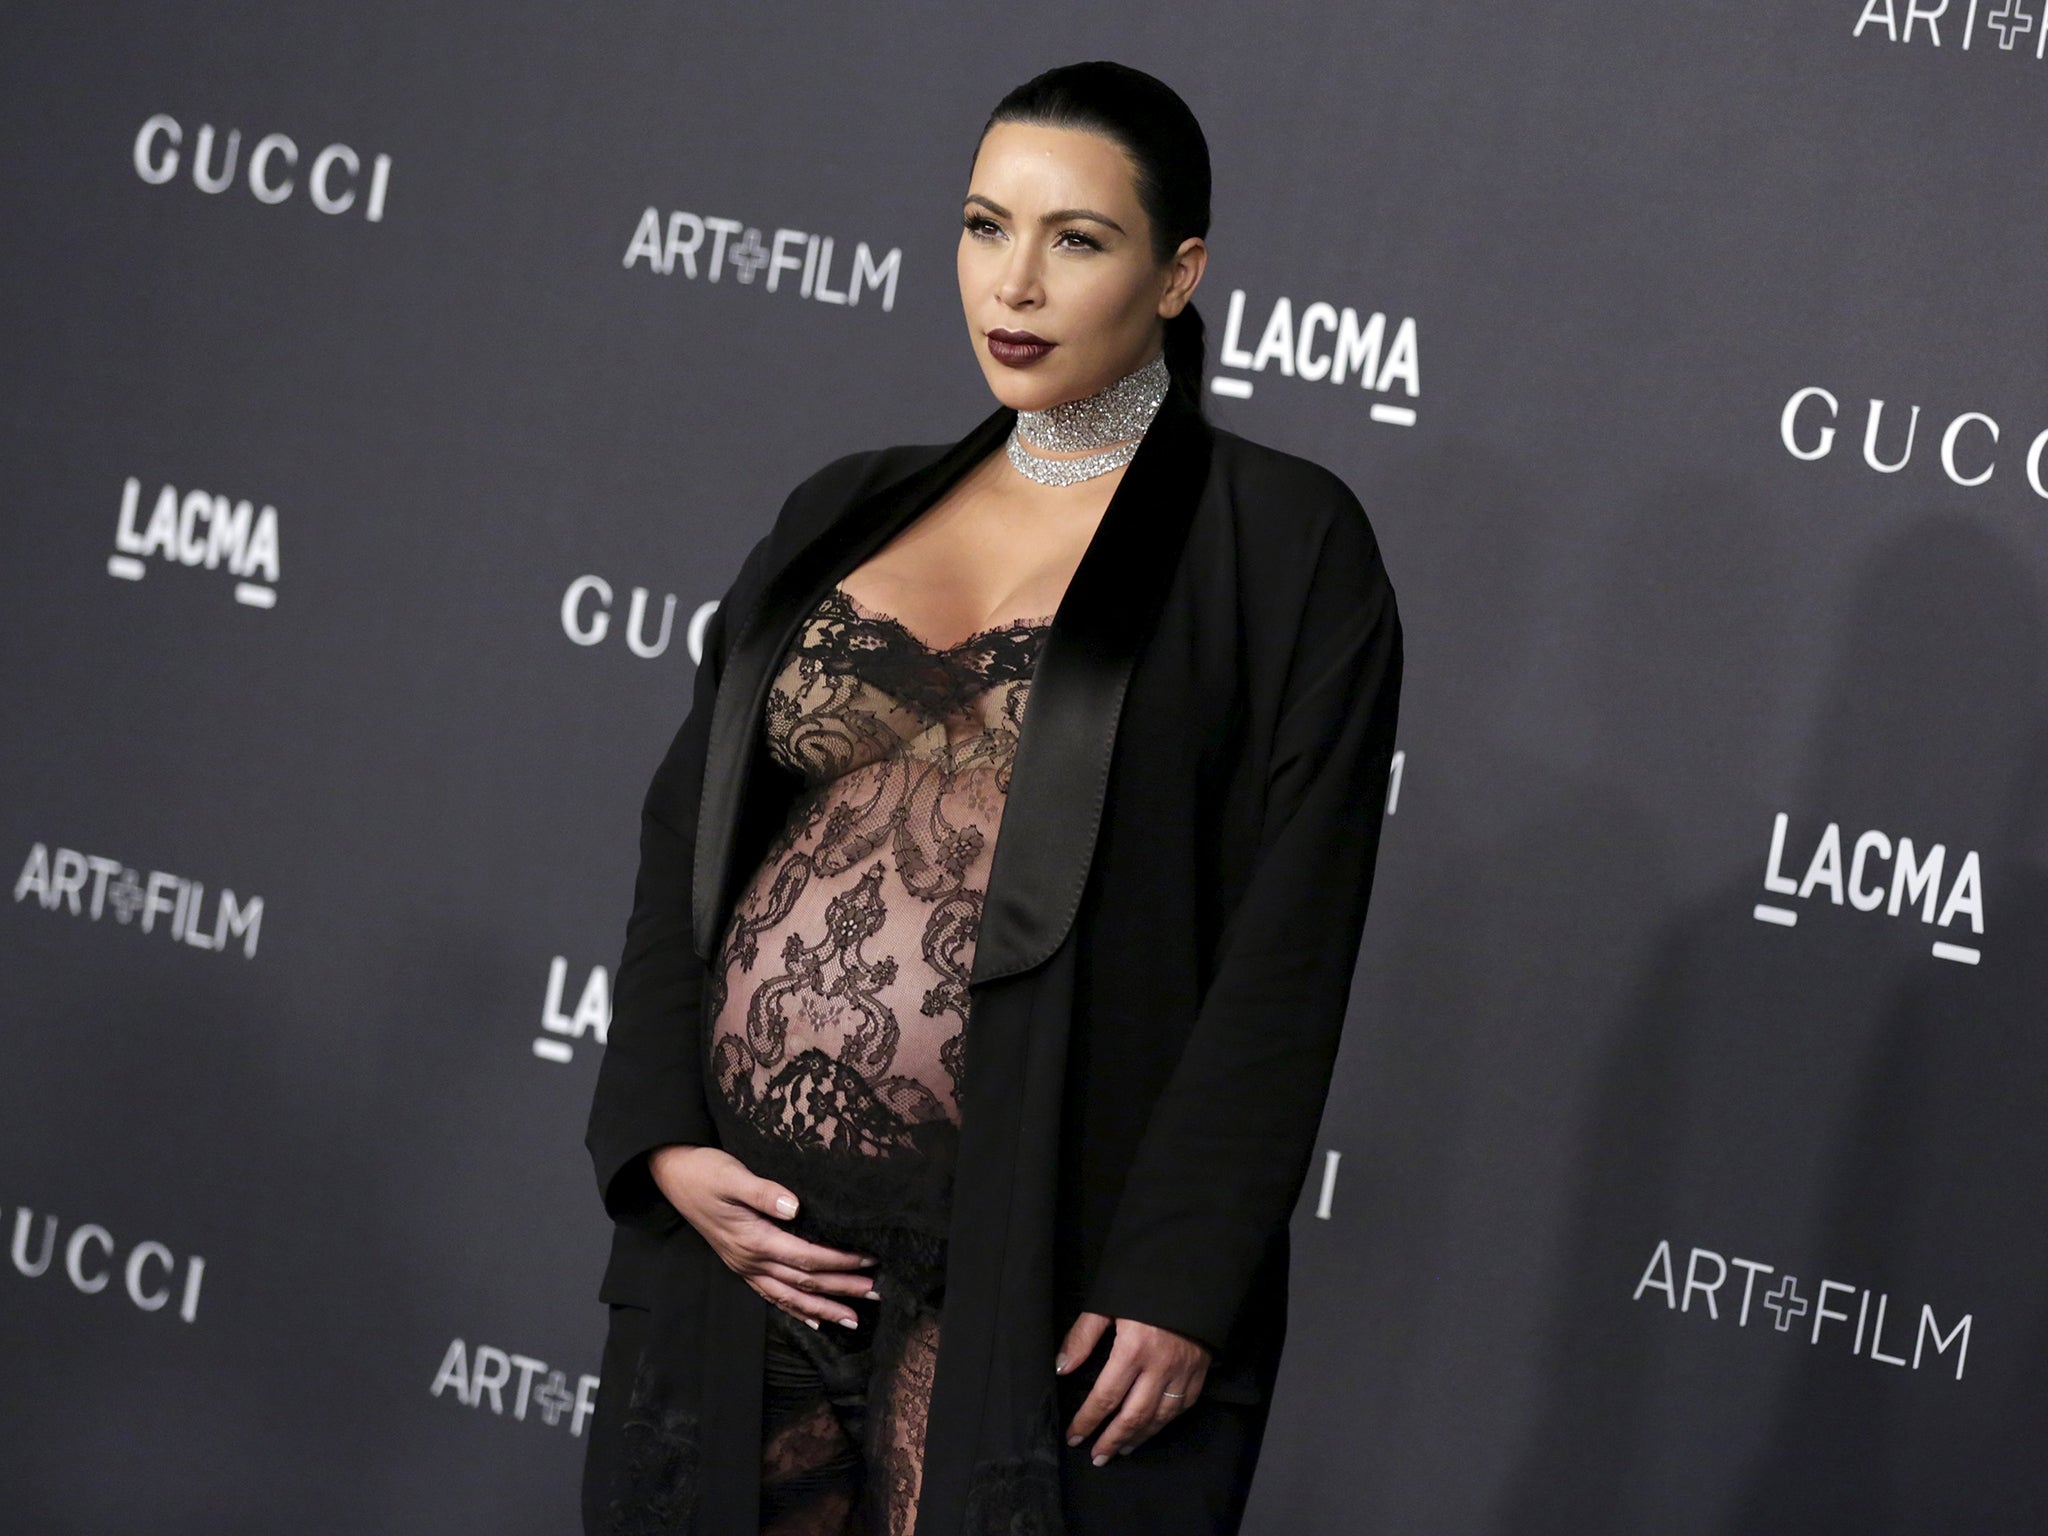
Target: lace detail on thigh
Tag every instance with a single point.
(805, 1490)
(811, 1465)
(899, 1401)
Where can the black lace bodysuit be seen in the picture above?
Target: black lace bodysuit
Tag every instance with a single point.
(839, 1003)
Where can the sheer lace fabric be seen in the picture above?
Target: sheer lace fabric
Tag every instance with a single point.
(843, 1429)
(839, 1004)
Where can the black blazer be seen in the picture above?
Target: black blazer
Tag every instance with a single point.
(1172, 920)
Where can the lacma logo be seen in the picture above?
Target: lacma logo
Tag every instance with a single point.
(1776, 1303)
(2007, 26)
(708, 251)
(1916, 882)
(592, 1016)
(87, 885)
(199, 530)
(1327, 346)
(486, 1372)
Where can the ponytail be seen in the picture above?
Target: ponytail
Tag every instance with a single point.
(1186, 353)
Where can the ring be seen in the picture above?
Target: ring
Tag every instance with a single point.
(1173, 1394)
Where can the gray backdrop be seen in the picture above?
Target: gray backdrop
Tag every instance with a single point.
(1683, 1165)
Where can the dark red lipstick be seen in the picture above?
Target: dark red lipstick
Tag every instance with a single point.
(1017, 349)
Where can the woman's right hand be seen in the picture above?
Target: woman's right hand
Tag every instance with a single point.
(737, 1214)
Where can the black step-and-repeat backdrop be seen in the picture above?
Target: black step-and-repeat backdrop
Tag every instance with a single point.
(389, 390)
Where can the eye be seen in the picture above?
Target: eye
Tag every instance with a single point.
(1087, 240)
(979, 225)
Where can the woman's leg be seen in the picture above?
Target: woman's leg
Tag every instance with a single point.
(899, 1400)
(813, 1407)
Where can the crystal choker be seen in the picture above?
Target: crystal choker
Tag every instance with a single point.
(1114, 418)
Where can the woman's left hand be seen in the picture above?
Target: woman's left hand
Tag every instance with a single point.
(1144, 1364)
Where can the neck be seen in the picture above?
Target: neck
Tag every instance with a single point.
(1119, 412)
(1104, 427)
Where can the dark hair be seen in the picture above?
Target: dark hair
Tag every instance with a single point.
(1146, 118)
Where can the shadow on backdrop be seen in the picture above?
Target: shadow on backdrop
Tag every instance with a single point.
(1831, 1100)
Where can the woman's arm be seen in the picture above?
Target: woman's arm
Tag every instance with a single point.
(651, 1134)
(650, 1087)
(1230, 1138)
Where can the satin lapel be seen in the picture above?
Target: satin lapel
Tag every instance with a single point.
(1054, 809)
(735, 754)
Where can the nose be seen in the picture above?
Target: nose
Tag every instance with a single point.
(1019, 288)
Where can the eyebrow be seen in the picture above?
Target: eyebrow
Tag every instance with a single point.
(1057, 216)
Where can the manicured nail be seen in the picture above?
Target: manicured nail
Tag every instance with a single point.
(850, 1322)
(1099, 1460)
(873, 1294)
(785, 1204)
(812, 1321)
(1059, 1365)
(869, 1263)
(1073, 1439)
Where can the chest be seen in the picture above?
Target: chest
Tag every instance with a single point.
(857, 688)
(991, 547)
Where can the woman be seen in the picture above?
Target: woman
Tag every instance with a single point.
(952, 1170)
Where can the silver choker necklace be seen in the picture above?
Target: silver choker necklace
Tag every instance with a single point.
(1114, 418)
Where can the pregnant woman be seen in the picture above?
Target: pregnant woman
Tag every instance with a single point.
(996, 916)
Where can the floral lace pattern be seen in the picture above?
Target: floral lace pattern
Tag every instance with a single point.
(840, 998)
(838, 1007)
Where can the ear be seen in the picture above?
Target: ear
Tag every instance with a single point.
(1184, 274)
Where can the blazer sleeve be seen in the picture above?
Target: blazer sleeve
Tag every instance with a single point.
(650, 1086)
(1228, 1143)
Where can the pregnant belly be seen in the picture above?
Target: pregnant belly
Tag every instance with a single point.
(840, 1004)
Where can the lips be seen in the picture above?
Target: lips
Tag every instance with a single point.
(1017, 349)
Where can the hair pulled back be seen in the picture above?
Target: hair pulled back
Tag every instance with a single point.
(1145, 117)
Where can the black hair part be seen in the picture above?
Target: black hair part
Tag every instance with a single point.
(1145, 117)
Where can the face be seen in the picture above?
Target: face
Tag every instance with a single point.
(1055, 245)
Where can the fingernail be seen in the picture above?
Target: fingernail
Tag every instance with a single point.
(784, 1204)
(1059, 1364)
(873, 1294)
(1073, 1439)
(850, 1322)
(1100, 1460)
(812, 1321)
(869, 1263)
